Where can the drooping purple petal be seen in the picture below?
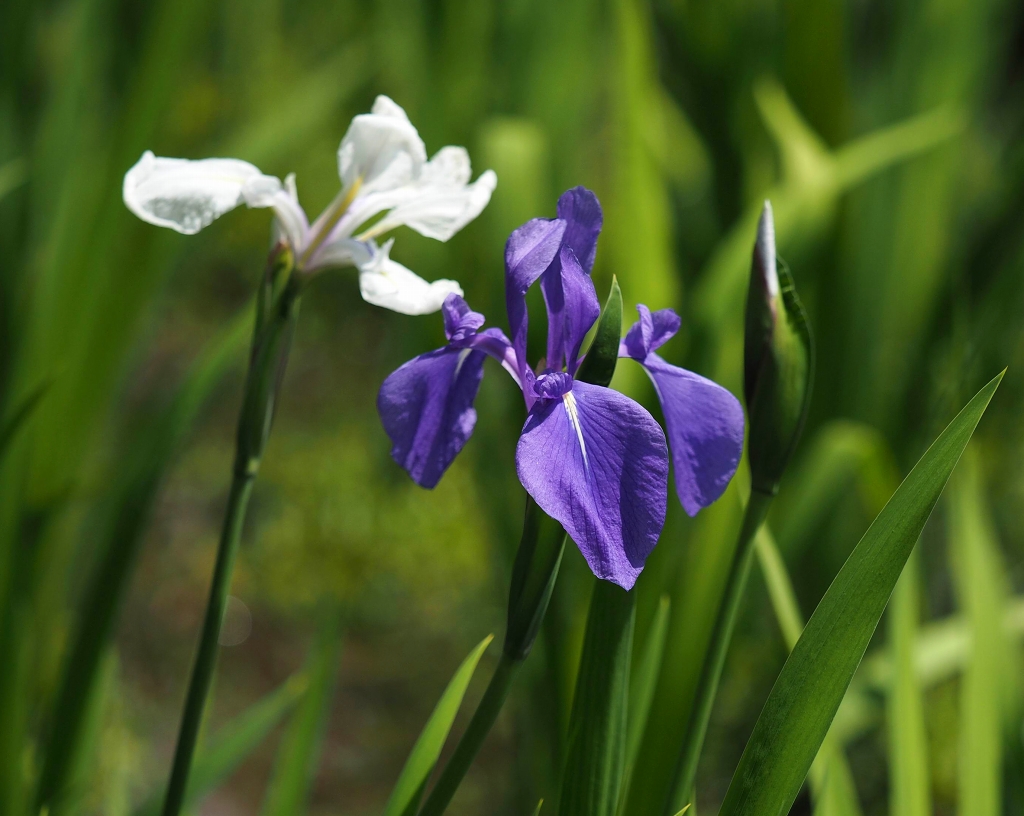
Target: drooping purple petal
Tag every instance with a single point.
(582, 307)
(426, 407)
(581, 211)
(705, 432)
(597, 462)
(528, 252)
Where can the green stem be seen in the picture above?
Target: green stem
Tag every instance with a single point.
(533, 580)
(681, 792)
(275, 321)
(477, 730)
(206, 657)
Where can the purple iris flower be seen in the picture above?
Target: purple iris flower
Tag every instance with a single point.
(591, 458)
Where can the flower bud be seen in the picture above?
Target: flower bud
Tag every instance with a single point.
(778, 358)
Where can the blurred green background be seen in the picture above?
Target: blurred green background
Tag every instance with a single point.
(890, 139)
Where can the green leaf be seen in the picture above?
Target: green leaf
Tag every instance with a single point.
(643, 681)
(910, 789)
(299, 751)
(408, 790)
(800, 708)
(19, 417)
(599, 364)
(980, 580)
(230, 746)
(592, 783)
(831, 780)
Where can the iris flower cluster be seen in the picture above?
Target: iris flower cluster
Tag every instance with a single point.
(592, 458)
(385, 174)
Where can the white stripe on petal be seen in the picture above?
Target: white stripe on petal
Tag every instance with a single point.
(573, 413)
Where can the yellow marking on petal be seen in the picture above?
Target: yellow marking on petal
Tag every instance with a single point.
(338, 209)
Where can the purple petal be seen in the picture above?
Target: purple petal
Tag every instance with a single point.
(581, 211)
(426, 407)
(528, 252)
(582, 307)
(650, 332)
(460, 321)
(597, 462)
(705, 432)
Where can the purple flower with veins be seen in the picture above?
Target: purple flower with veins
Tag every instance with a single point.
(591, 458)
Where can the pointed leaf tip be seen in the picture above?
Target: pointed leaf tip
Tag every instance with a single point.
(765, 251)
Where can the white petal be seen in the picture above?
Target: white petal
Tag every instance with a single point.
(342, 252)
(442, 203)
(384, 282)
(189, 195)
(382, 149)
(290, 223)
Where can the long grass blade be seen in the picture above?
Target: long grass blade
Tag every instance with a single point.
(800, 709)
(910, 791)
(405, 796)
(230, 746)
(297, 756)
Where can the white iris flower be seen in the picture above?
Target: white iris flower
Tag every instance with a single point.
(384, 172)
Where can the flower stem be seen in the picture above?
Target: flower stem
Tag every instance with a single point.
(533, 580)
(681, 792)
(206, 657)
(276, 315)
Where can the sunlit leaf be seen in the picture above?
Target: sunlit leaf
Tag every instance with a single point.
(405, 796)
(808, 692)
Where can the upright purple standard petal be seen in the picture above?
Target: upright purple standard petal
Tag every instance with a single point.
(426, 407)
(528, 252)
(581, 212)
(582, 308)
(597, 462)
(704, 421)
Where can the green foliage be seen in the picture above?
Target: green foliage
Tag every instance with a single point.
(592, 781)
(297, 756)
(812, 684)
(408, 791)
(233, 743)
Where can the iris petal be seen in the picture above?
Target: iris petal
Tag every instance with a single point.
(426, 407)
(598, 463)
(705, 432)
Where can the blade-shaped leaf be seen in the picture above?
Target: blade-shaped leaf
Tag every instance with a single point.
(592, 782)
(19, 416)
(408, 790)
(982, 590)
(910, 789)
(599, 364)
(642, 683)
(300, 748)
(233, 743)
(800, 708)
(831, 780)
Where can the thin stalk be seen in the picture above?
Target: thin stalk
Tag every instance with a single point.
(533, 580)
(275, 321)
(477, 730)
(681, 792)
